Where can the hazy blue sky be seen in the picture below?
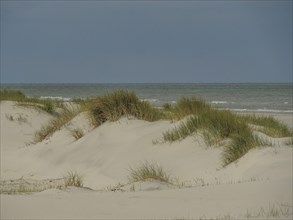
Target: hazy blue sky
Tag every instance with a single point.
(146, 41)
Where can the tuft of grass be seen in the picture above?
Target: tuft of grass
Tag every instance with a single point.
(11, 95)
(290, 142)
(43, 104)
(21, 185)
(167, 107)
(241, 143)
(77, 133)
(73, 179)
(272, 212)
(183, 130)
(56, 124)
(112, 107)
(20, 190)
(216, 124)
(270, 126)
(20, 118)
(223, 122)
(147, 171)
(189, 106)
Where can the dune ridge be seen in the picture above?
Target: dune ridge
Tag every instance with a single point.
(200, 186)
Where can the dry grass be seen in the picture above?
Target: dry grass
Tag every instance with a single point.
(188, 106)
(269, 125)
(147, 171)
(56, 124)
(217, 125)
(241, 143)
(112, 107)
(77, 133)
(43, 104)
(73, 179)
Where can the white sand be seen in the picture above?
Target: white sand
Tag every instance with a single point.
(262, 179)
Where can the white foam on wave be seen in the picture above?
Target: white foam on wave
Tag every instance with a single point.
(150, 100)
(274, 111)
(59, 98)
(219, 102)
(261, 110)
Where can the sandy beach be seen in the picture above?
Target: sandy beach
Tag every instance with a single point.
(258, 185)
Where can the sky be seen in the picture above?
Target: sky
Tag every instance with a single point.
(146, 41)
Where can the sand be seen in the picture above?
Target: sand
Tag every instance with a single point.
(256, 184)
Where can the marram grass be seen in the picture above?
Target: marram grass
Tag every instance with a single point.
(77, 133)
(19, 97)
(148, 171)
(269, 125)
(216, 122)
(215, 125)
(112, 107)
(56, 124)
(73, 179)
(188, 106)
(240, 144)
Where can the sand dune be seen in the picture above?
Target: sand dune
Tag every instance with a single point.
(201, 187)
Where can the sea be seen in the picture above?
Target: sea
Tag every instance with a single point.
(256, 97)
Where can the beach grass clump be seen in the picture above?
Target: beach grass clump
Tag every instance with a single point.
(240, 144)
(167, 106)
(221, 122)
(56, 123)
(20, 190)
(73, 179)
(182, 131)
(280, 211)
(215, 123)
(148, 171)
(145, 111)
(17, 96)
(269, 125)
(189, 106)
(43, 104)
(12, 95)
(112, 107)
(77, 133)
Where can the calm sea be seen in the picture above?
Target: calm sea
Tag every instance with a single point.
(241, 97)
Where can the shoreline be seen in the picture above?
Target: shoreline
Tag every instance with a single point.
(250, 96)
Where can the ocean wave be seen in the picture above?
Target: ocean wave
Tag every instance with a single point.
(261, 110)
(219, 102)
(59, 98)
(150, 100)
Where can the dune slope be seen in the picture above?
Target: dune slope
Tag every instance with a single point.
(201, 187)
